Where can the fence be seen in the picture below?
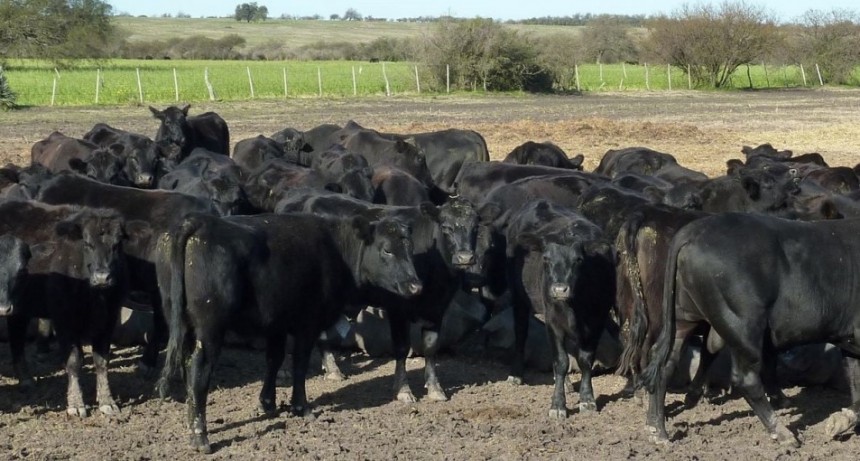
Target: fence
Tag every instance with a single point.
(147, 82)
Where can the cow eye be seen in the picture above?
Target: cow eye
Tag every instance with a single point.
(387, 252)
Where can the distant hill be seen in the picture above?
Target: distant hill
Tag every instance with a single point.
(295, 32)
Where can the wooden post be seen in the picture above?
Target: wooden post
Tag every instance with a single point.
(766, 78)
(689, 78)
(319, 80)
(576, 76)
(139, 85)
(385, 76)
(175, 85)
(647, 80)
(208, 84)
(803, 74)
(669, 75)
(98, 87)
(250, 81)
(447, 78)
(600, 69)
(417, 82)
(54, 91)
(621, 84)
(817, 70)
(623, 70)
(285, 83)
(354, 85)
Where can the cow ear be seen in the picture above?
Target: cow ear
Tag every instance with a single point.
(430, 210)
(306, 148)
(577, 160)
(334, 187)
(156, 113)
(69, 229)
(137, 230)
(828, 210)
(734, 166)
(184, 109)
(752, 187)
(116, 149)
(654, 194)
(489, 212)
(363, 229)
(530, 242)
(78, 165)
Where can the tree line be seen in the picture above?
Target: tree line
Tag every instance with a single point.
(709, 42)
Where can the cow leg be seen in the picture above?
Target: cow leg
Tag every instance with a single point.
(844, 421)
(521, 332)
(746, 377)
(198, 376)
(302, 347)
(148, 364)
(71, 350)
(585, 360)
(560, 366)
(400, 342)
(768, 377)
(655, 419)
(101, 358)
(43, 336)
(275, 352)
(697, 386)
(329, 362)
(431, 381)
(17, 327)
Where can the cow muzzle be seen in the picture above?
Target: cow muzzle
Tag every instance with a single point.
(6, 309)
(463, 258)
(101, 279)
(560, 291)
(143, 180)
(412, 288)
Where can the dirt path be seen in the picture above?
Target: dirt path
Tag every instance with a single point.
(486, 418)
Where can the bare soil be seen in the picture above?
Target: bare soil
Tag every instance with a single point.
(486, 418)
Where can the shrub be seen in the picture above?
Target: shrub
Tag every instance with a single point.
(7, 96)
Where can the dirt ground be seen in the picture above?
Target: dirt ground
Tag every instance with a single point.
(486, 418)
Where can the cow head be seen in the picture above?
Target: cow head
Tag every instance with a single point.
(142, 161)
(104, 165)
(16, 255)
(100, 233)
(174, 128)
(458, 222)
(358, 183)
(386, 256)
(227, 195)
(771, 187)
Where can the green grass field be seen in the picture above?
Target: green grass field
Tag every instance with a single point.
(34, 81)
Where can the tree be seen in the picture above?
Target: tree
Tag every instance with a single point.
(559, 54)
(54, 29)
(831, 40)
(606, 40)
(8, 97)
(334, 17)
(712, 42)
(250, 12)
(352, 15)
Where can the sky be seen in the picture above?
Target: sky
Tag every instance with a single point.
(784, 10)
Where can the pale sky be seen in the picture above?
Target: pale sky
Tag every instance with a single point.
(784, 10)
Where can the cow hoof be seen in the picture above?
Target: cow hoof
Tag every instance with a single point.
(334, 376)
(658, 437)
(785, 437)
(779, 401)
(437, 395)
(515, 380)
(406, 397)
(558, 413)
(267, 409)
(200, 442)
(692, 399)
(840, 423)
(80, 412)
(109, 409)
(587, 407)
(301, 410)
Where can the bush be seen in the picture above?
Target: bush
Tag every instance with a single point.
(8, 97)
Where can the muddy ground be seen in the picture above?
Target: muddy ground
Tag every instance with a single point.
(486, 418)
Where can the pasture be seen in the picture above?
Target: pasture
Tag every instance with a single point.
(486, 417)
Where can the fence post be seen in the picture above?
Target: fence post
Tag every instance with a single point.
(285, 83)
(54, 91)
(417, 82)
(139, 85)
(576, 76)
(689, 78)
(208, 84)
(175, 85)
(623, 70)
(319, 80)
(817, 70)
(98, 80)
(354, 85)
(600, 69)
(669, 75)
(647, 80)
(803, 74)
(250, 81)
(766, 78)
(447, 78)
(385, 76)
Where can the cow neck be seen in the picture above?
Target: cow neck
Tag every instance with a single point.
(349, 243)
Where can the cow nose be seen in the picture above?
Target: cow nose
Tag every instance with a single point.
(414, 288)
(6, 309)
(144, 180)
(464, 258)
(101, 279)
(560, 290)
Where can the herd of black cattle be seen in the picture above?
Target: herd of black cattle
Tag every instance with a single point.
(291, 231)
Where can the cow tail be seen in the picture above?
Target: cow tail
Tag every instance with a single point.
(665, 341)
(178, 329)
(637, 323)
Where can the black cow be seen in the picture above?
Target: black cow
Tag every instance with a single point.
(316, 139)
(270, 276)
(379, 150)
(210, 176)
(75, 277)
(295, 148)
(250, 153)
(148, 215)
(477, 179)
(543, 153)
(59, 152)
(444, 240)
(13, 270)
(762, 285)
(142, 156)
(643, 160)
(349, 170)
(207, 130)
(393, 186)
(560, 266)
